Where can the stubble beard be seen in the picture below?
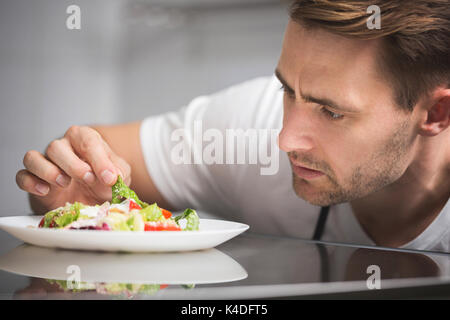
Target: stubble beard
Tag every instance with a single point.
(383, 168)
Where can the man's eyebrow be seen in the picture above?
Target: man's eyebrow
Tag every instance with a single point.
(283, 82)
(328, 103)
(309, 98)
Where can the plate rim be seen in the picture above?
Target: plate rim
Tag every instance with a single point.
(239, 227)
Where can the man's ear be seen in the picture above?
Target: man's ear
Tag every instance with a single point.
(437, 113)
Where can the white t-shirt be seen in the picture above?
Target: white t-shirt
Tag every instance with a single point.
(240, 192)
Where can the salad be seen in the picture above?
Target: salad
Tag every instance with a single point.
(125, 212)
(125, 290)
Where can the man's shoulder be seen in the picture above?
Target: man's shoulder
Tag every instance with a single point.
(255, 88)
(255, 103)
(254, 83)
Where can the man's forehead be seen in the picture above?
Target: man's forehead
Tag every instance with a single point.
(315, 60)
(319, 43)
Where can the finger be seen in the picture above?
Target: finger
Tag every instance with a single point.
(102, 191)
(61, 153)
(124, 169)
(41, 167)
(88, 144)
(31, 183)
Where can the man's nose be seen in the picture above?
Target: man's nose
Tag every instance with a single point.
(296, 133)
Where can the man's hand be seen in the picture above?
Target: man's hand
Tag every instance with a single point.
(79, 167)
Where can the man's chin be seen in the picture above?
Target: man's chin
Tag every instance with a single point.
(315, 195)
(316, 201)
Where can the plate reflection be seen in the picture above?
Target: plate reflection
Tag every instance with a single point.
(122, 275)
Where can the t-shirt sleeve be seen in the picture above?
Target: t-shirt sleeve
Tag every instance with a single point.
(172, 145)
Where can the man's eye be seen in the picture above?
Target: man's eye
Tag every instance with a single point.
(331, 115)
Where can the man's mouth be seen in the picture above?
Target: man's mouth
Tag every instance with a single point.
(306, 173)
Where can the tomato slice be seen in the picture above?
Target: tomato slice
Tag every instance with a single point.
(166, 213)
(161, 226)
(134, 205)
(51, 225)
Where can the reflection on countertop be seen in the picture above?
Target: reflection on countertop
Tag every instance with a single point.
(247, 267)
(125, 275)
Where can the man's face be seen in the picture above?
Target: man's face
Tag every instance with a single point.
(339, 118)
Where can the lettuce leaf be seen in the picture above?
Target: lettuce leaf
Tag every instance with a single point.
(117, 221)
(136, 222)
(120, 190)
(151, 212)
(192, 220)
(63, 216)
(48, 218)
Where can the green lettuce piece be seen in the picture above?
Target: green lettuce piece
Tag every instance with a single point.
(121, 190)
(121, 226)
(192, 220)
(65, 219)
(188, 286)
(149, 289)
(136, 222)
(151, 212)
(117, 221)
(69, 215)
(129, 289)
(116, 288)
(48, 218)
(109, 288)
(63, 215)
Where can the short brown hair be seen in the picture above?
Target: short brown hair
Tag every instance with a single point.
(415, 51)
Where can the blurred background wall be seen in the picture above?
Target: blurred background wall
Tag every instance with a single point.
(131, 59)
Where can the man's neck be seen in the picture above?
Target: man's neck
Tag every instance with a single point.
(401, 211)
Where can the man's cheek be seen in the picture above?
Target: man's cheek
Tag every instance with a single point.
(343, 165)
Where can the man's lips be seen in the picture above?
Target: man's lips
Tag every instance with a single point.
(306, 173)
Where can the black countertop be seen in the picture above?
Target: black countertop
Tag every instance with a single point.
(249, 266)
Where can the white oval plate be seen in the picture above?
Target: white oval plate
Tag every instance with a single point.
(212, 233)
(195, 267)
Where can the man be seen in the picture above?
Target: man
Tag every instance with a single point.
(363, 115)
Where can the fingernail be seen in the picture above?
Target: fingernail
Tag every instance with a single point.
(62, 181)
(89, 177)
(108, 177)
(42, 189)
